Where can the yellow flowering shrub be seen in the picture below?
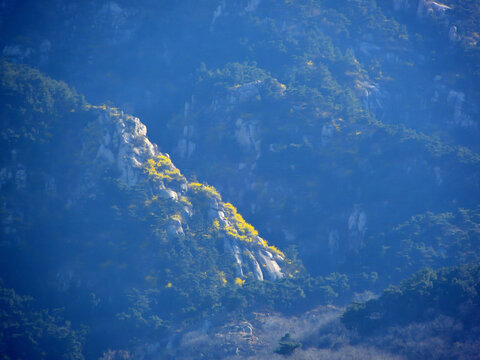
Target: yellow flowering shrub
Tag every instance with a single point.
(161, 168)
(242, 230)
(210, 191)
(239, 282)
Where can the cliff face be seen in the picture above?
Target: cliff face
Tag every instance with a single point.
(121, 141)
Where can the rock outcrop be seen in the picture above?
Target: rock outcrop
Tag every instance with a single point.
(124, 142)
(120, 140)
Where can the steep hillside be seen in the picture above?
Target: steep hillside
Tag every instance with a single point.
(95, 219)
(344, 131)
(332, 180)
(318, 119)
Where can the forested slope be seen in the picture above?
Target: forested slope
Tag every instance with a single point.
(345, 132)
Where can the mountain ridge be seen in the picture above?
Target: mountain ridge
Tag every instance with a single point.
(346, 131)
(123, 142)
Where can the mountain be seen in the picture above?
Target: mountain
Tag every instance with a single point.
(94, 216)
(345, 132)
(331, 181)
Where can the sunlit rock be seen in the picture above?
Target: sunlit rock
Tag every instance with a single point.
(430, 7)
(122, 142)
(175, 228)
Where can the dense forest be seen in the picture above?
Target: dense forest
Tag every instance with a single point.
(308, 187)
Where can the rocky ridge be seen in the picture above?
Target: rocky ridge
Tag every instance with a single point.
(120, 140)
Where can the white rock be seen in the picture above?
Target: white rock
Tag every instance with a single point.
(167, 194)
(333, 241)
(426, 7)
(235, 251)
(21, 177)
(357, 226)
(246, 135)
(271, 270)
(371, 94)
(453, 33)
(254, 266)
(175, 227)
(125, 143)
